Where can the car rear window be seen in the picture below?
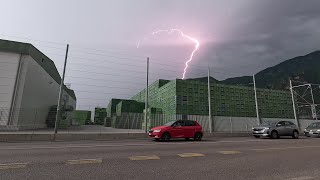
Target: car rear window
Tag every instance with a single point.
(314, 125)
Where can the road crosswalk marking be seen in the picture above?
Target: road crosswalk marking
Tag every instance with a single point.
(84, 161)
(185, 155)
(229, 152)
(140, 158)
(13, 166)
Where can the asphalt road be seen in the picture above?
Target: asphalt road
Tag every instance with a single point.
(217, 158)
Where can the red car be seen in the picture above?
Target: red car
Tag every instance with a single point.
(177, 129)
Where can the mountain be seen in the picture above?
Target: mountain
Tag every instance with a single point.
(205, 79)
(303, 68)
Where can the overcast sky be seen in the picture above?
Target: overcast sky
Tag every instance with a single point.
(237, 37)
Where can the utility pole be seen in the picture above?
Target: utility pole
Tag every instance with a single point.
(256, 99)
(209, 102)
(147, 99)
(56, 125)
(294, 105)
(313, 108)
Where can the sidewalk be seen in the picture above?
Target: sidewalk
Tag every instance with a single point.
(87, 129)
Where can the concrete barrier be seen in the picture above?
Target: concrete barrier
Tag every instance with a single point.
(68, 137)
(25, 137)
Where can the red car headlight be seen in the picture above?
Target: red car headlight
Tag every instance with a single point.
(157, 130)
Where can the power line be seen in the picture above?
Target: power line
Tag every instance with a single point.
(8, 62)
(110, 87)
(99, 50)
(114, 57)
(111, 80)
(91, 72)
(107, 62)
(104, 67)
(79, 77)
(93, 99)
(112, 52)
(103, 93)
(20, 37)
(113, 62)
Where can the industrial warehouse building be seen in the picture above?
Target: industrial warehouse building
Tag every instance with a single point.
(178, 99)
(29, 88)
(83, 117)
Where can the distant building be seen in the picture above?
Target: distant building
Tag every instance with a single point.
(100, 115)
(178, 99)
(29, 88)
(83, 117)
(190, 97)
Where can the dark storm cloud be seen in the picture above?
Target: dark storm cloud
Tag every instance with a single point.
(275, 31)
(238, 37)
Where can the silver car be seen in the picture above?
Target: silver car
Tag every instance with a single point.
(313, 130)
(276, 129)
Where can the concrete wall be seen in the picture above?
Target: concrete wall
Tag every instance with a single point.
(244, 124)
(37, 92)
(9, 63)
(236, 124)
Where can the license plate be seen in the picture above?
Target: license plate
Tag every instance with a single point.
(149, 134)
(256, 132)
(310, 132)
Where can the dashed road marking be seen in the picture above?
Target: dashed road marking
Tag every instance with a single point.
(84, 161)
(116, 145)
(300, 178)
(185, 155)
(13, 166)
(229, 152)
(140, 158)
(284, 148)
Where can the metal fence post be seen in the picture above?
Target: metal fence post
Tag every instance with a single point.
(294, 106)
(247, 125)
(231, 125)
(147, 99)
(256, 99)
(57, 122)
(209, 102)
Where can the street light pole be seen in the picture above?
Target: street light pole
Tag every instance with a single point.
(56, 125)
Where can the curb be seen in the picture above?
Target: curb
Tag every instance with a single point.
(95, 136)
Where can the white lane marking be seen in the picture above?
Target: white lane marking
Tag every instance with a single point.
(84, 161)
(300, 178)
(186, 155)
(13, 166)
(117, 145)
(122, 145)
(284, 148)
(141, 158)
(229, 152)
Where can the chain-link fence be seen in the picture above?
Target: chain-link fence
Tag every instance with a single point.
(111, 88)
(126, 123)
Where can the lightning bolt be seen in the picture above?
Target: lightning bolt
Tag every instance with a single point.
(194, 40)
